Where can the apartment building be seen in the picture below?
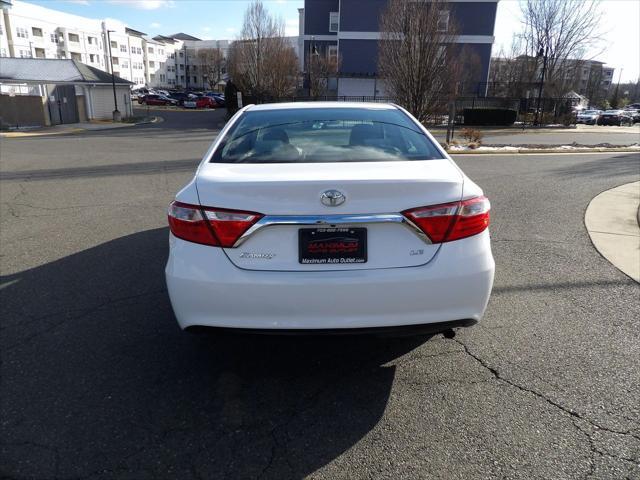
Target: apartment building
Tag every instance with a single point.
(520, 76)
(349, 30)
(32, 31)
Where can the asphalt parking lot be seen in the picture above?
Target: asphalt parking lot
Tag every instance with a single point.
(98, 382)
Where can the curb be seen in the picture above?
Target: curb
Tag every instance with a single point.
(545, 150)
(152, 119)
(69, 131)
(611, 220)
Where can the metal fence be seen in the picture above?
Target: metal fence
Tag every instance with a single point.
(550, 110)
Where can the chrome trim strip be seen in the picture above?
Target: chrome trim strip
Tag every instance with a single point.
(274, 220)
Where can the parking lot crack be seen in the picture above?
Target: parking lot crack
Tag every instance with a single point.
(572, 413)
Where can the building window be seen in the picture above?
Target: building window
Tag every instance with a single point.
(152, 77)
(332, 54)
(22, 32)
(25, 54)
(92, 40)
(181, 67)
(76, 56)
(36, 32)
(62, 55)
(181, 54)
(195, 79)
(92, 57)
(334, 21)
(173, 55)
(150, 49)
(115, 60)
(152, 64)
(54, 38)
(443, 20)
(161, 51)
(114, 44)
(161, 65)
(123, 48)
(1, 30)
(125, 64)
(74, 38)
(3, 52)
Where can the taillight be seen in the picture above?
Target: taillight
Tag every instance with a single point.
(452, 221)
(209, 226)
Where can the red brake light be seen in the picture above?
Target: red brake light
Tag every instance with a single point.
(209, 226)
(452, 221)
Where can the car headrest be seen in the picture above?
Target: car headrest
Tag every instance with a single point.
(276, 134)
(363, 133)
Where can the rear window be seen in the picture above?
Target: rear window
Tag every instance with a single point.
(324, 135)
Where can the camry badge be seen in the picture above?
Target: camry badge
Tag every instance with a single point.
(332, 198)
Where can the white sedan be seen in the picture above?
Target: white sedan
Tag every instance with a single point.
(335, 217)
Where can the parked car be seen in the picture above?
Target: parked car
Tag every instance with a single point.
(200, 102)
(634, 106)
(218, 97)
(588, 117)
(635, 114)
(363, 226)
(615, 117)
(158, 100)
(180, 97)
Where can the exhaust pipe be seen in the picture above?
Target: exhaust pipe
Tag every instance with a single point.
(450, 333)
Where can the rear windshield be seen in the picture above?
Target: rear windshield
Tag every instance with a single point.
(324, 135)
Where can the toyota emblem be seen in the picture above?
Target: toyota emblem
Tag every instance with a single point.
(332, 198)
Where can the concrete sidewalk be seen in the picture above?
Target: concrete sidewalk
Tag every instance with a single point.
(612, 220)
(75, 128)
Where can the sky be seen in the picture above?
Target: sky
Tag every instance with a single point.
(222, 19)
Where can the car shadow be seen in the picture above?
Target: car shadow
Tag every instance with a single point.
(623, 164)
(98, 380)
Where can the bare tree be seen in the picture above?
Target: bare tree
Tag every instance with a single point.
(512, 74)
(212, 62)
(280, 68)
(320, 67)
(417, 58)
(261, 61)
(557, 33)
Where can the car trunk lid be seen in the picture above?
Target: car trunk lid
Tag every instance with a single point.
(290, 198)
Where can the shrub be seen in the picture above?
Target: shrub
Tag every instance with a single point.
(471, 135)
(473, 145)
(489, 116)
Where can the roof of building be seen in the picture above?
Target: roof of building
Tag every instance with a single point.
(48, 70)
(152, 40)
(183, 36)
(164, 39)
(131, 31)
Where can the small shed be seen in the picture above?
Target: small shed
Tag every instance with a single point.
(578, 101)
(39, 91)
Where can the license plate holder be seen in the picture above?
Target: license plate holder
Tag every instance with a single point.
(332, 245)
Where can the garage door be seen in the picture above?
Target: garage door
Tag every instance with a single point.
(102, 103)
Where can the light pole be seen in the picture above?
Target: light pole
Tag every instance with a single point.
(116, 113)
(541, 53)
(186, 69)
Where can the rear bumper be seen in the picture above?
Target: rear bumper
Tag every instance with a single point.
(403, 330)
(206, 289)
